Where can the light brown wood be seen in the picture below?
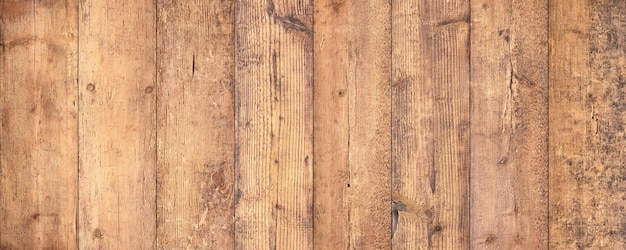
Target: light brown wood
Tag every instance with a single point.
(352, 124)
(38, 131)
(241, 124)
(587, 69)
(430, 93)
(274, 125)
(117, 131)
(195, 125)
(509, 124)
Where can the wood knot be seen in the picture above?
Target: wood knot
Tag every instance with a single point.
(217, 179)
(97, 233)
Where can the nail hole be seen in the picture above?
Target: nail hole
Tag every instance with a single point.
(149, 89)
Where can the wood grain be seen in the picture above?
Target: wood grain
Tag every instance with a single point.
(117, 124)
(352, 124)
(430, 97)
(509, 125)
(195, 124)
(274, 125)
(38, 131)
(587, 69)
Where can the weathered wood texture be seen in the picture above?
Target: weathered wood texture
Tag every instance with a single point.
(274, 125)
(587, 79)
(430, 124)
(195, 121)
(509, 124)
(352, 118)
(38, 131)
(242, 124)
(117, 128)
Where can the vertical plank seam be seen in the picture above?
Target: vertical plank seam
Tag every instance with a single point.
(549, 17)
(235, 123)
(77, 212)
(37, 185)
(312, 82)
(469, 169)
(391, 152)
(156, 124)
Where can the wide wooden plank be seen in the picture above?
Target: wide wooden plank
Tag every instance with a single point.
(509, 111)
(38, 131)
(195, 125)
(274, 124)
(117, 129)
(352, 124)
(587, 69)
(430, 97)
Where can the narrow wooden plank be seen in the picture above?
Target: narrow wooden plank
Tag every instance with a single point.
(117, 80)
(587, 69)
(274, 125)
(509, 110)
(195, 125)
(430, 92)
(352, 124)
(38, 135)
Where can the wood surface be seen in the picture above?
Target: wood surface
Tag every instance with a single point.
(509, 124)
(38, 126)
(117, 124)
(195, 180)
(352, 117)
(587, 79)
(274, 124)
(331, 124)
(430, 124)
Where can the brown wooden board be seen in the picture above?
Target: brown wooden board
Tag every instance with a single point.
(509, 124)
(587, 79)
(274, 124)
(430, 150)
(117, 130)
(195, 198)
(352, 124)
(38, 126)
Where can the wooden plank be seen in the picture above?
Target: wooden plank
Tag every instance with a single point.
(509, 175)
(117, 129)
(352, 129)
(38, 131)
(274, 125)
(195, 125)
(430, 97)
(587, 69)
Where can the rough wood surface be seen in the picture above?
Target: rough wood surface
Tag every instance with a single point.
(38, 131)
(509, 124)
(430, 96)
(195, 198)
(274, 125)
(587, 79)
(117, 124)
(352, 124)
(241, 124)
